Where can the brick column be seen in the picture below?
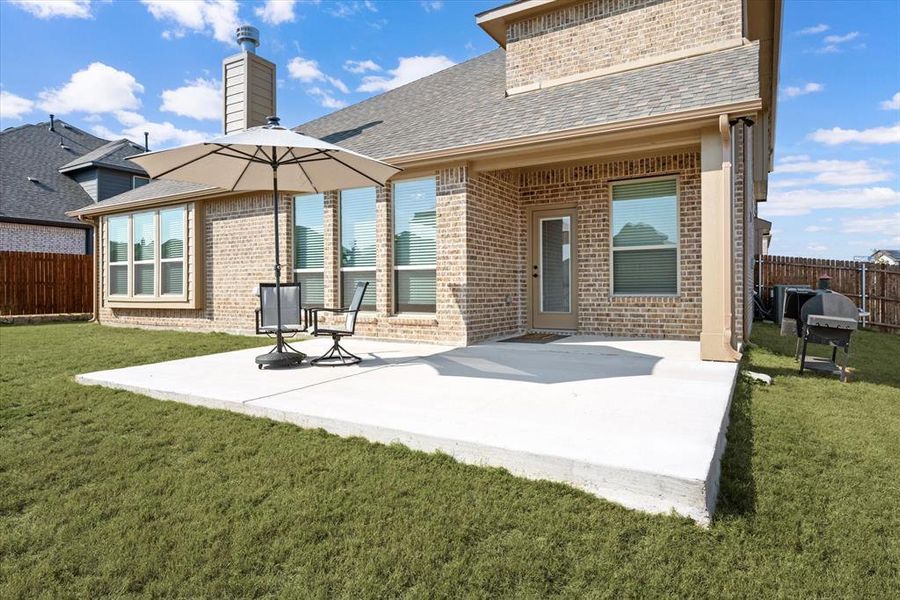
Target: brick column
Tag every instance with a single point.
(384, 251)
(452, 265)
(332, 252)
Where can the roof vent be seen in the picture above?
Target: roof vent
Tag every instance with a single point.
(248, 38)
(52, 123)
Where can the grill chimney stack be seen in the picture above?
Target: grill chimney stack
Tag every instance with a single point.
(248, 38)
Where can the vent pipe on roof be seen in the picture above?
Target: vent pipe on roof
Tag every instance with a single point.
(248, 38)
(146, 141)
(52, 123)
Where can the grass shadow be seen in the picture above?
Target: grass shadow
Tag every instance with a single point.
(737, 488)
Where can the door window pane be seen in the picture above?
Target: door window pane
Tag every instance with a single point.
(556, 264)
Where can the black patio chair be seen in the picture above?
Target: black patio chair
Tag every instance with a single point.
(337, 355)
(294, 318)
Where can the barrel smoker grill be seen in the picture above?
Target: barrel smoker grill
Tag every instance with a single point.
(822, 317)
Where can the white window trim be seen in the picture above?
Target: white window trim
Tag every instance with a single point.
(155, 261)
(343, 269)
(613, 250)
(395, 267)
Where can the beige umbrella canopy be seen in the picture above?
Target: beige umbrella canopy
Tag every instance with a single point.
(262, 158)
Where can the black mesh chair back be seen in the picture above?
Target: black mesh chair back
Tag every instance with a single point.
(291, 314)
(355, 305)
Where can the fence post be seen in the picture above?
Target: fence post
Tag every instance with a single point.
(862, 292)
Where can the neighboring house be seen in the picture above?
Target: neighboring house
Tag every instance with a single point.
(48, 169)
(763, 236)
(886, 257)
(597, 173)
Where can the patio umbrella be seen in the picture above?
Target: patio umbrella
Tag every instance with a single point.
(260, 158)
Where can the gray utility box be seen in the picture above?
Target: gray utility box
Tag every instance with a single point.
(778, 298)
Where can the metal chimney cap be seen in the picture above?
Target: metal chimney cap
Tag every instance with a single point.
(248, 38)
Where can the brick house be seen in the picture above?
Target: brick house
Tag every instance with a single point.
(598, 172)
(50, 168)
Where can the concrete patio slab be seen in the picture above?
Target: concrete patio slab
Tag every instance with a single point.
(638, 422)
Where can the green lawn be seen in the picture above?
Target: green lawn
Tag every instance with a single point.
(107, 493)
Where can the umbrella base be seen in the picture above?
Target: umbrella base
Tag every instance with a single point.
(283, 359)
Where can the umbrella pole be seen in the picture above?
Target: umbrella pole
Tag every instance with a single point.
(279, 339)
(279, 356)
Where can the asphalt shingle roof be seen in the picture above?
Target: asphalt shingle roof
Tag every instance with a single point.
(34, 151)
(467, 104)
(112, 155)
(157, 188)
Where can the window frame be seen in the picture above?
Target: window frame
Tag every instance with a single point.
(127, 262)
(395, 268)
(340, 248)
(136, 178)
(305, 270)
(612, 249)
(156, 261)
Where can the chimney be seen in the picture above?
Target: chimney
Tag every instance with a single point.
(248, 84)
(52, 123)
(146, 141)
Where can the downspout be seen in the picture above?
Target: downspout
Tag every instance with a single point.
(95, 307)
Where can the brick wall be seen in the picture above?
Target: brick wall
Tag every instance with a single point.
(481, 257)
(599, 34)
(22, 237)
(238, 253)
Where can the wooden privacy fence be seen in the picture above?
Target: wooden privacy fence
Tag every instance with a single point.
(38, 283)
(873, 287)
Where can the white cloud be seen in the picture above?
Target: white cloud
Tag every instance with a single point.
(348, 9)
(275, 12)
(218, 18)
(97, 89)
(162, 134)
(13, 106)
(832, 43)
(305, 69)
(803, 201)
(432, 5)
(888, 224)
(338, 84)
(361, 66)
(810, 88)
(820, 28)
(48, 9)
(325, 99)
(816, 248)
(830, 172)
(409, 68)
(795, 158)
(874, 135)
(199, 99)
(308, 71)
(816, 229)
(892, 104)
(840, 39)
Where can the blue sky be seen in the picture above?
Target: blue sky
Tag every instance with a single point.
(121, 68)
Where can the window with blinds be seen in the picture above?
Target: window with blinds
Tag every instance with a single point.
(309, 248)
(358, 244)
(147, 251)
(645, 237)
(415, 245)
